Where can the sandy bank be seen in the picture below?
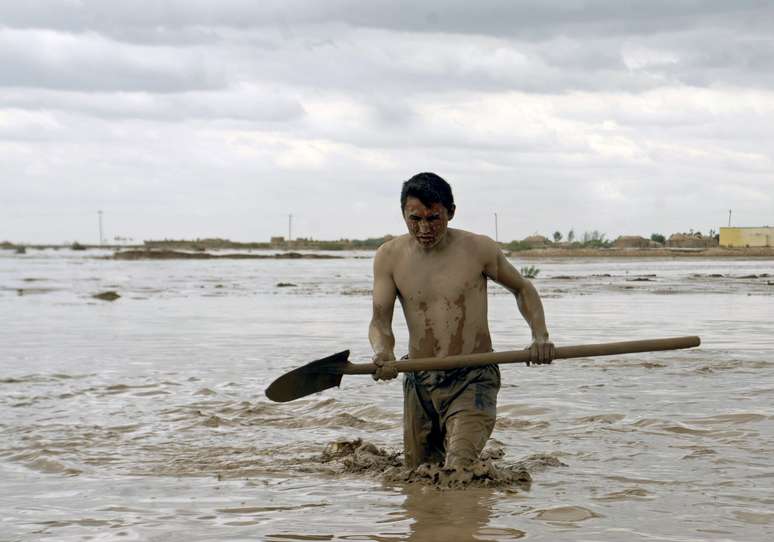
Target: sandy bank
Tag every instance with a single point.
(715, 252)
(175, 255)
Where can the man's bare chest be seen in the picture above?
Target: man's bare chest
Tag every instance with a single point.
(442, 280)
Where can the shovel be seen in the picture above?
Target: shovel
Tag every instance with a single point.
(326, 373)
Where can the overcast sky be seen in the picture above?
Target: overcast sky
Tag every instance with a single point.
(191, 118)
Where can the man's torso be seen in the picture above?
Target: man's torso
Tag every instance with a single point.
(443, 295)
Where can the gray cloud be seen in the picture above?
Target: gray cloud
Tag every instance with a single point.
(533, 47)
(494, 17)
(89, 61)
(244, 103)
(219, 119)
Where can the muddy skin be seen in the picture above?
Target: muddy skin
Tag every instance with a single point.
(440, 276)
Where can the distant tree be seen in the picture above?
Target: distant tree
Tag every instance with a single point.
(557, 236)
(517, 246)
(571, 235)
(593, 236)
(595, 239)
(658, 238)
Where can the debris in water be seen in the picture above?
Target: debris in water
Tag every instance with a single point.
(361, 457)
(212, 421)
(205, 391)
(106, 296)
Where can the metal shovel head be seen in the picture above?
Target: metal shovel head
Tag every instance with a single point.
(312, 378)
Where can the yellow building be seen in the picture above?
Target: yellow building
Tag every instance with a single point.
(747, 237)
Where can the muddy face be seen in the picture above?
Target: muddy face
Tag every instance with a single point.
(427, 225)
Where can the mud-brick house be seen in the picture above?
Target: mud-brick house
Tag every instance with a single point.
(690, 240)
(631, 241)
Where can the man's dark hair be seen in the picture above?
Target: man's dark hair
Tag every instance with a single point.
(428, 188)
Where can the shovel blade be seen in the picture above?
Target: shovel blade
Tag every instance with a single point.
(312, 378)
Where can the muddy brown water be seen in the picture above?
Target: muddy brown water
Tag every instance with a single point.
(144, 418)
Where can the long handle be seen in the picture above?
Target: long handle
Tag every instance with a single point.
(522, 356)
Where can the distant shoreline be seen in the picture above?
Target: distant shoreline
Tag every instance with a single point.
(141, 252)
(714, 252)
(536, 253)
(176, 255)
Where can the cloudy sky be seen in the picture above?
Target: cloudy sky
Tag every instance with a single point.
(192, 118)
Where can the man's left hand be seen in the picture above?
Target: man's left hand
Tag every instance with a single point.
(541, 351)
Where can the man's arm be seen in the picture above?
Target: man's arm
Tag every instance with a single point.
(380, 331)
(500, 270)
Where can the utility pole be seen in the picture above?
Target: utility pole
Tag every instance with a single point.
(729, 218)
(99, 213)
(497, 236)
(290, 227)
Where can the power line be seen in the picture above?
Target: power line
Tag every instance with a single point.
(101, 237)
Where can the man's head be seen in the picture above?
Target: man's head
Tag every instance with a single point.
(427, 204)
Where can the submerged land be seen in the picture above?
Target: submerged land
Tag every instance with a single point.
(158, 397)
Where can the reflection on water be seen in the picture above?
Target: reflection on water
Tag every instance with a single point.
(145, 417)
(459, 515)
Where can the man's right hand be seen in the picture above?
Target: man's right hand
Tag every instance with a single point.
(386, 368)
(541, 351)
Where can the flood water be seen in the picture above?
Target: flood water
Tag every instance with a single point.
(145, 419)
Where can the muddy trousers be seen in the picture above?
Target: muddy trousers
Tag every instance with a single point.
(448, 415)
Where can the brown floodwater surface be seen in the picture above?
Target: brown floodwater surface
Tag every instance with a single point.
(144, 418)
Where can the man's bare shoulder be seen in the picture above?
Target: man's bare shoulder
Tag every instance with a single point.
(390, 250)
(396, 243)
(481, 243)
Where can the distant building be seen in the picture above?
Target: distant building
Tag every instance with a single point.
(747, 237)
(279, 240)
(690, 240)
(536, 241)
(631, 241)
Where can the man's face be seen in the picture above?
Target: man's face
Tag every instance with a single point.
(427, 225)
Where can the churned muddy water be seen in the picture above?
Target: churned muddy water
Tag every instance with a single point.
(144, 418)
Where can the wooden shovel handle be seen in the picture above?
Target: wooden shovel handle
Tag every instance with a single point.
(523, 356)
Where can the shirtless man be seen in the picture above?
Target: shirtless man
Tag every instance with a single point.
(440, 276)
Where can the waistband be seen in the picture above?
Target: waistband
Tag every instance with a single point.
(440, 377)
